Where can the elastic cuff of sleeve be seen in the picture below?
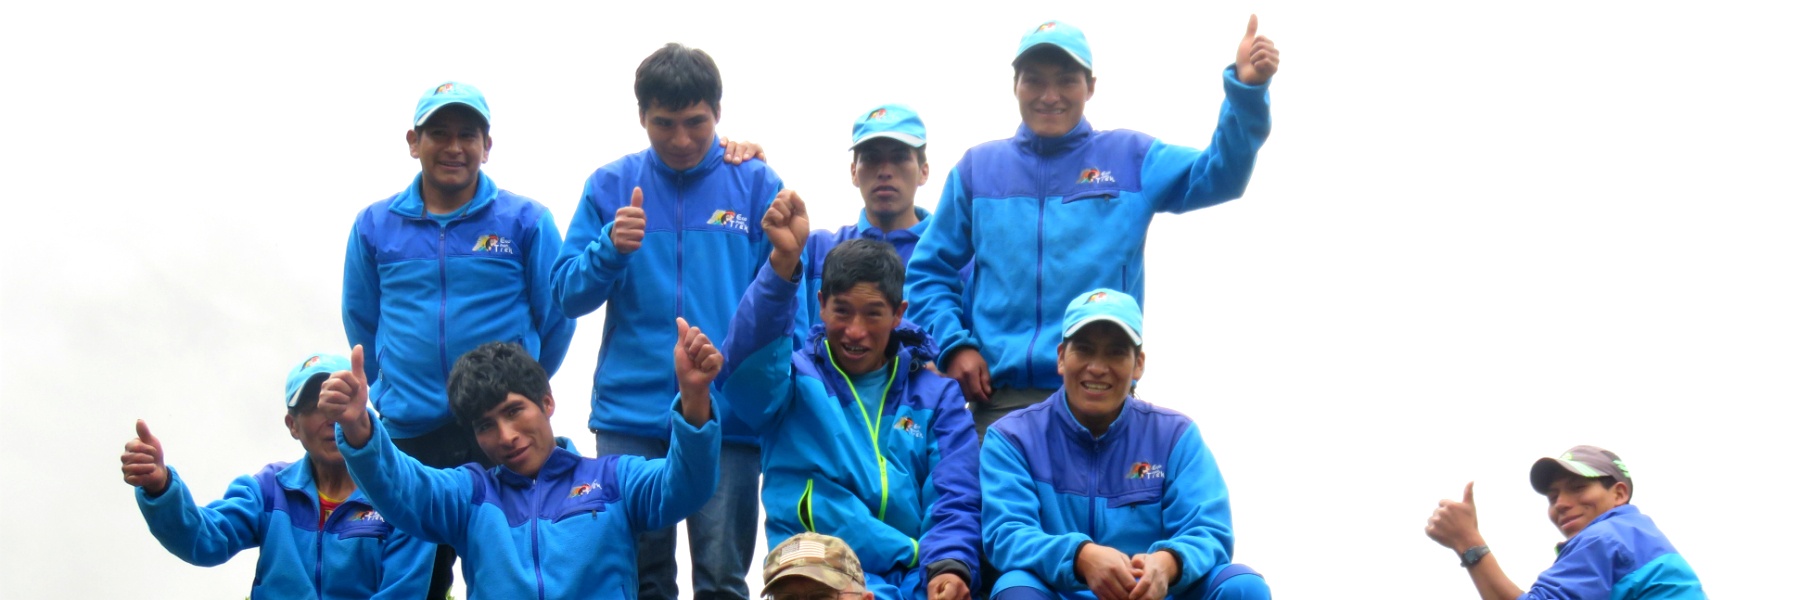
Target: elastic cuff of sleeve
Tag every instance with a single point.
(948, 565)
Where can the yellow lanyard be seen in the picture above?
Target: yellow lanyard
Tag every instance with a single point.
(874, 426)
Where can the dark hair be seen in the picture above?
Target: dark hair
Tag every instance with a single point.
(483, 377)
(1607, 481)
(309, 396)
(1049, 54)
(864, 261)
(677, 77)
(856, 153)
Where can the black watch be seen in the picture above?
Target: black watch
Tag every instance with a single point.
(1473, 555)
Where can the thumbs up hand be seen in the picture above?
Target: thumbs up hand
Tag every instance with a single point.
(344, 398)
(628, 224)
(1257, 58)
(142, 462)
(1453, 524)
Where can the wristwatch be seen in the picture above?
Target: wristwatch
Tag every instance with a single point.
(1473, 555)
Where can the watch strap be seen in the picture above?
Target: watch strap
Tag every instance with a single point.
(1473, 555)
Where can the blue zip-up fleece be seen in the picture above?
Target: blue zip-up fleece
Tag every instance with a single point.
(418, 294)
(567, 533)
(1148, 484)
(1619, 556)
(356, 555)
(703, 242)
(913, 504)
(1045, 219)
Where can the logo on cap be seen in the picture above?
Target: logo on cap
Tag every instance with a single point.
(444, 89)
(584, 489)
(730, 219)
(492, 243)
(1145, 470)
(879, 113)
(310, 362)
(1095, 297)
(1048, 25)
(1095, 176)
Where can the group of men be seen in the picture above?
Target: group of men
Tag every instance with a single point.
(937, 405)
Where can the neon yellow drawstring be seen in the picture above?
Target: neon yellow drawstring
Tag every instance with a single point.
(873, 426)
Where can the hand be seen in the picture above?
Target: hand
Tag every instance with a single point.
(968, 368)
(786, 225)
(628, 224)
(142, 462)
(1155, 572)
(1453, 524)
(947, 586)
(1257, 58)
(344, 399)
(738, 152)
(697, 362)
(1107, 571)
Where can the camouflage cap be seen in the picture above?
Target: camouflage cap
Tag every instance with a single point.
(815, 556)
(1587, 461)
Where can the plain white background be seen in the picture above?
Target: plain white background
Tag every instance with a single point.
(1480, 233)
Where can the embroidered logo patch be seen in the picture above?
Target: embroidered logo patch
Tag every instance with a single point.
(492, 243)
(1047, 26)
(584, 489)
(909, 426)
(1145, 470)
(1095, 297)
(1095, 176)
(370, 515)
(445, 89)
(729, 219)
(879, 113)
(310, 362)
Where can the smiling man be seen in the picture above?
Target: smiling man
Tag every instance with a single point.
(1611, 550)
(1062, 207)
(667, 232)
(859, 440)
(544, 522)
(318, 535)
(1096, 493)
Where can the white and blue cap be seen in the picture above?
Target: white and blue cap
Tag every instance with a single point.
(1059, 34)
(1108, 305)
(303, 382)
(448, 93)
(893, 121)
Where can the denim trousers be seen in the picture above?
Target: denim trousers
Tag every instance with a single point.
(721, 535)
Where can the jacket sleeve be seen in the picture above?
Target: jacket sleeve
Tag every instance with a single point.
(588, 269)
(362, 300)
(554, 330)
(433, 505)
(758, 374)
(662, 491)
(1196, 511)
(205, 535)
(406, 564)
(953, 525)
(933, 282)
(1012, 533)
(1180, 179)
(811, 267)
(1583, 571)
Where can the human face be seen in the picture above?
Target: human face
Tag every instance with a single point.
(516, 433)
(681, 137)
(889, 173)
(451, 148)
(802, 588)
(317, 433)
(1576, 501)
(1097, 365)
(1051, 96)
(858, 324)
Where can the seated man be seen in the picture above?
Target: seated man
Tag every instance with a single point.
(811, 566)
(1096, 493)
(544, 522)
(319, 536)
(859, 439)
(1612, 551)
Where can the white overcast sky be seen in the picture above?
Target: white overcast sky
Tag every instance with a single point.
(1480, 233)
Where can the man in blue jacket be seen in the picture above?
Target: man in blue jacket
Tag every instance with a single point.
(859, 440)
(666, 232)
(544, 522)
(318, 535)
(1096, 493)
(1612, 550)
(1024, 212)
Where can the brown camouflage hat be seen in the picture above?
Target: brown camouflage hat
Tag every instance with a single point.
(815, 556)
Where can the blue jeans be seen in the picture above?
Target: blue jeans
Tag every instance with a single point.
(1224, 582)
(721, 536)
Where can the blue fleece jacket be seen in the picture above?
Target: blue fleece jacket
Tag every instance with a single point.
(419, 293)
(1045, 219)
(1148, 484)
(355, 555)
(910, 504)
(703, 242)
(1619, 556)
(569, 532)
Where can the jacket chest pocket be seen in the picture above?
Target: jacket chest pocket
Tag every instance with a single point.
(590, 506)
(364, 529)
(1101, 195)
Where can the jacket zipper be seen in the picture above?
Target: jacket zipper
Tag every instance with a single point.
(680, 228)
(537, 563)
(1038, 298)
(443, 301)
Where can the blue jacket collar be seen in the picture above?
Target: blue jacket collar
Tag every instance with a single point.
(1621, 511)
(715, 156)
(909, 344)
(411, 203)
(1080, 432)
(1049, 146)
(298, 477)
(870, 231)
(562, 460)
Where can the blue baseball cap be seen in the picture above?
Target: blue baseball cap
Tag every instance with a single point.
(894, 121)
(448, 93)
(304, 380)
(1105, 305)
(1059, 34)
